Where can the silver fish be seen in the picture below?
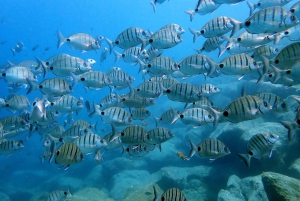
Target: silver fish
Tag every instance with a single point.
(288, 56)
(149, 89)
(18, 74)
(67, 103)
(211, 44)
(18, 47)
(110, 100)
(68, 154)
(11, 146)
(183, 92)
(90, 142)
(136, 150)
(175, 27)
(120, 79)
(291, 34)
(131, 55)
(162, 39)
(168, 117)
(51, 87)
(74, 132)
(136, 101)
(169, 195)
(17, 103)
(78, 41)
(153, 53)
(203, 7)
(133, 135)
(209, 148)
(275, 101)
(196, 117)
(98, 157)
(159, 66)
(158, 135)
(140, 114)
(103, 55)
(267, 51)
(296, 9)
(208, 90)
(168, 82)
(50, 61)
(266, 3)
(12, 122)
(94, 80)
(84, 123)
(58, 195)
(259, 145)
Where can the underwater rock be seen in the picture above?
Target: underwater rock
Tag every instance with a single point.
(296, 166)
(41, 196)
(94, 177)
(280, 187)
(246, 189)
(90, 194)
(127, 182)
(65, 181)
(145, 194)
(4, 197)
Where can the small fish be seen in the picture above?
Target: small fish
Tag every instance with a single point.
(196, 117)
(103, 55)
(158, 135)
(149, 89)
(153, 53)
(18, 47)
(169, 195)
(209, 148)
(120, 79)
(168, 117)
(17, 103)
(35, 47)
(18, 74)
(183, 92)
(175, 27)
(90, 143)
(131, 55)
(110, 100)
(136, 150)
(213, 43)
(203, 7)
(67, 103)
(136, 101)
(68, 154)
(140, 114)
(207, 90)
(259, 145)
(98, 157)
(93, 80)
(84, 123)
(78, 41)
(11, 146)
(3, 42)
(58, 195)
(275, 101)
(182, 156)
(47, 48)
(266, 3)
(74, 132)
(159, 66)
(12, 122)
(133, 135)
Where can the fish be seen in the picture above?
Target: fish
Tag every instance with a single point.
(153, 3)
(18, 47)
(212, 43)
(110, 100)
(276, 102)
(68, 154)
(128, 38)
(291, 34)
(113, 115)
(18, 74)
(133, 135)
(168, 82)
(169, 195)
(269, 20)
(158, 135)
(12, 122)
(47, 48)
(59, 195)
(35, 47)
(182, 156)
(210, 148)
(11, 146)
(74, 132)
(120, 79)
(131, 55)
(148, 89)
(162, 39)
(268, 52)
(203, 7)
(196, 117)
(183, 92)
(265, 4)
(140, 114)
(103, 55)
(113, 140)
(51, 87)
(136, 101)
(296, 9)
(93, 80)
(217, 27)
(207, 90)
(66, 103)
(136, 150)
(175, 27)
(153, 53)
(90, 143)
(17, 103)
(78, 41)
(98, 157)
(38, 110)
(86, 124)
(168, 117)
(204, 103)
(259, 145)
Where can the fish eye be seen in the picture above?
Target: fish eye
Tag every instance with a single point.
(178, 36)
(259, 4)
(283, 105)
(70, 87)
(265, 104)
(57, 153)
(228, 48)
(225, 149)
(209, 116)
(276, 50)
(272, 136)
(65, 193)
(239, 39)
(293, 17)
(286, 32)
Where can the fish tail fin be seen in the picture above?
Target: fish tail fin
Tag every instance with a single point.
(198, 50)
(156, 196)
(111, 44)
(156, 120)
(237, 25)
(144, 42)
(117, 55)
(13, 51)
(246, 158)
(193, 150)
(52, 148)
(42, 64)
(153, 5)
(217, 116)
(222, 50)
(278, 37)
(251, 7)
(115, 133)
(75, 79)
(291, 126)
(32, 86)
(195, 33)
(191, 13)
(61, 39)
(94, 126)
(96, 111)
(278, 73)
(142, 65)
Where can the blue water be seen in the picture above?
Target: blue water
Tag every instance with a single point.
(22, 176)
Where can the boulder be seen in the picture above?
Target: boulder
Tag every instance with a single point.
(90, 194)
(280, 187)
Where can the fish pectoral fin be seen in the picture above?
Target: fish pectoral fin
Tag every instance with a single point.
(270, 154)
(211, 160)
(253, 111)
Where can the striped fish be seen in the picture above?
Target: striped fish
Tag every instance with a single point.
(58, 195)
(158, 135)
(18, 74)
(296, 9)
(196, 64)
(113, 115)
(196, 117)
(238, 64)
(90, 142)
(208, 90)
(140, 114)
(131, 55)
(212, 43)
(168, 117)
(259, 145)
(249, 40)
(175, 27)
(204, 103)
(245, 108)
(63, 66)
(136, 101)
(162, 39)
(137, 150)
(68, 154)
(13, 132)
(291, 34)
(113, 141)
(49, 118)
(67, 103)
(12, 122)
(270, 20)
(133, 135)
(10, 146)
(275, 101)
(51, 87)
(111, 100)
(266, 3)
(168, 82)
(217, 27)
(183, 92)
(103, 55)
(50, 61)
(17, 103)
(84, 123)
(203, 7)
(172, 194)
(74, 132)
(236, 48)
(94, 80)
(78, 41)
(149, 89)
(153, 53)
(288, 56)
(209, 148)
(159, 66)
(267, 51)
(128, 38)
(119, 79)
(56, 131)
